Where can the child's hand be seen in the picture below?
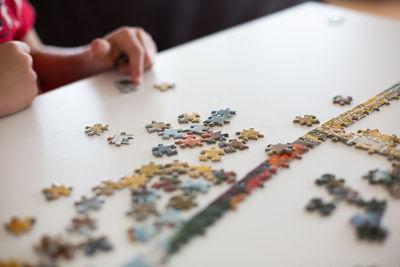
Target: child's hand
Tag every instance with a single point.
(18, 81)
(135, 43)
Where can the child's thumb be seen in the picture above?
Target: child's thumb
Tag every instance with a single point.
(100, 48)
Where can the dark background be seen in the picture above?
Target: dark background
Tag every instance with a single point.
(170, 22)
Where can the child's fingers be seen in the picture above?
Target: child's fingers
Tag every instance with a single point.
(149, 47)
(101, 48)
(23, 46)
(130, 44)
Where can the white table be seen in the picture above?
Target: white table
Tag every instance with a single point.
(268, 70)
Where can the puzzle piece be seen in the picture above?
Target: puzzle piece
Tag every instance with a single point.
(18, 226)
(185, 118)
(150, 170)
(216, 120)
(182, 202)
(317, 204)
(126, 86)
(167, 184)
(190, 141)
(83, 225)
(171, 132)
(232, 145)
(103, 190)
(135, 181)
(171, 218)
(249, 134)
(142, 212)
(160, 150)
(121, 139)
(308, 120)
(369, 226)
(97, 129)
(197, 129)
(222, 176)
(164, 86)
(143, 233)
(212, 137)
(114, 185)
(55, 248)
(283, 160)
(92, 245)
(342, 100)
(157, 126)
(279, 148)
(373, 141)
(202, 170)
(143, 196)
(237, 199)
(176, 167)
(89, 203)
(192, 187)
(212, 153)
(227, 113)
(389, 179)
(55, 191)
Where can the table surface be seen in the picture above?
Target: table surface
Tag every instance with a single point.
(268, 70)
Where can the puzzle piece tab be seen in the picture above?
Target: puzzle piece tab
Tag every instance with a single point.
(279, 148)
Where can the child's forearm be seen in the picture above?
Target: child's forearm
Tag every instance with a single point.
(59, 66)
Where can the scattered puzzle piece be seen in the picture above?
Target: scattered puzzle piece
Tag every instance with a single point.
(121, 139)
(171, 218)
(279, 148)
(83, 225)
(369, 226)
(197, 129)
(157, 126)
(249, 134)
(164, 86)
(216, 120)
(342, 100)
(283, 160)
(55, 248)
(227, 113)
(17, 226)
(160, 150)
(213, 154)
(317, 204)
(308, 120)
(126, 86)
(143, 233)
(212, 137)
(135, 181)
(222, 176)
(55, 191)
(103, 190)
(150, 170)
(142, 212)
(202, 170)
(167, 184)
(232, 145)
(171, 132)
(92, 245)
(185, 118)
(192, 187)
(89, 203)
(114, 185)
(190, 141)
(176, 167)
(143, 196)
(182, 202)
(97, 129)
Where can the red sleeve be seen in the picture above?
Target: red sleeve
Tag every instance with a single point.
(27, 20)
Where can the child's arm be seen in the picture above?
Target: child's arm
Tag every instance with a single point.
(18, 85)
(58, 66)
